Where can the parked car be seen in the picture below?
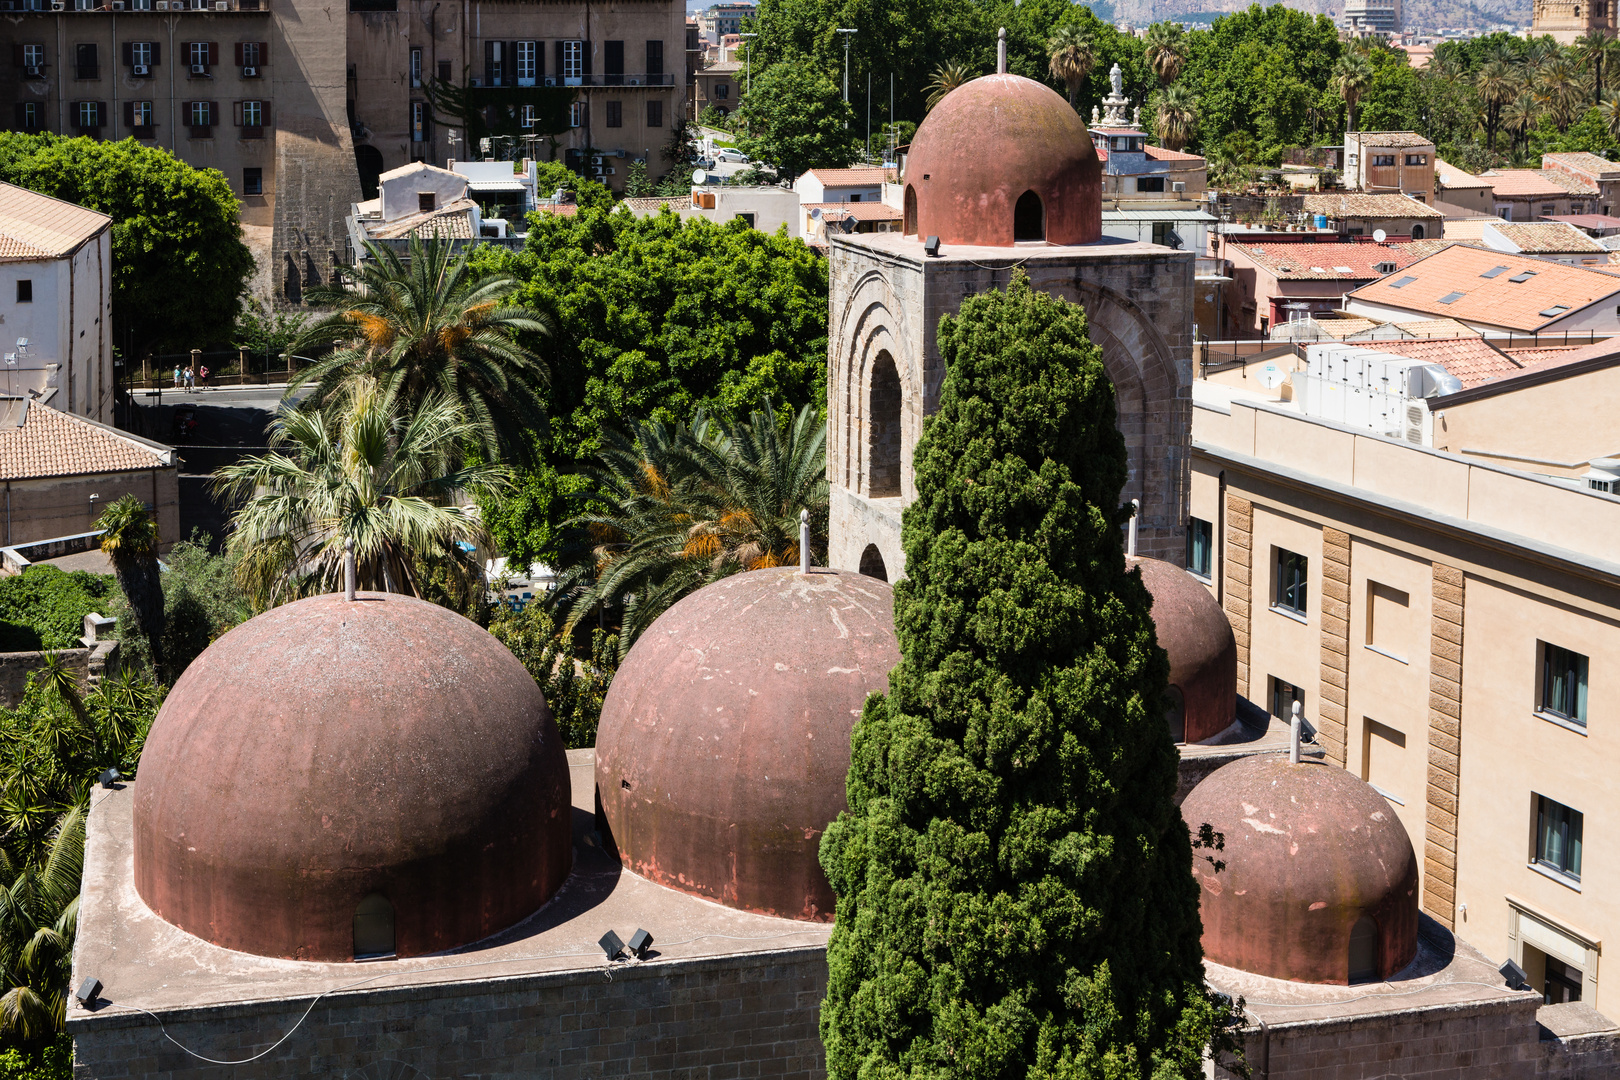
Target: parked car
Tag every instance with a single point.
(727, 153)
(705, 163)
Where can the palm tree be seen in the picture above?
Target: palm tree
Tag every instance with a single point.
(428, 324)
(1351, 77)
(1519, 116)
(1166, 50)
(689, 505)
(1593, 49)
(1609, 110)
(39, 912)
(947, 77)
(130, 539)
(1559, 88)
(1496, 85)
(1071, 54)
(1177, 118)
(366, 470)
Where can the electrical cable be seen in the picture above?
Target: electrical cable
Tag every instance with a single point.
(428, 971)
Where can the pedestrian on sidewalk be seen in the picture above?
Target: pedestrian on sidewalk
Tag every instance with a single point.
(177, 376)
(191, 380)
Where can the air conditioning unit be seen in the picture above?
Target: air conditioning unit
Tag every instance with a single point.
(222, 5)
(58, 5)
(609, 171)
(250, 73)
(163, 5)
(1414, 424)
(475, 81)
(118, 5)
(33, 72)
(141, 69)
(199, 69)
(596, 160)
(596, 170)
(633, 80)
(619, 153)
(551, 80)
(1178, 185)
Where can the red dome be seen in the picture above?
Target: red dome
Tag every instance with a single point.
(1194, 631)
(984, 146)
(327, 753)
(724, 740)
(1311, 852)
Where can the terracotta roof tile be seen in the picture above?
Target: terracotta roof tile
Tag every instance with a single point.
(1359, 205)
(1159, 153)
(1525, 184)
(860, 211)
(1537, 355)
(1453, 177)
(1435, 328)
(1583, 162)
(566, 209)
(1343, 328)
(1543, 237)
(452, 221)
(651, 206)
(853, 177)
(1472, 359)
(35, 226)
(1497, 300)
(1293, 261)
(52, 443)
(1393, 138)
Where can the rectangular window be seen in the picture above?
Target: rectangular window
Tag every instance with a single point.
(528, 66)
(253, 181)
(721, 91)
(655, 57)
(29, 116)
(426, 202)
(615, 114)
(25, 291)
(1289, 592)
(613, 63)
(84, 62)
(1562, 983)
(140, 57)
(140, 115)
(416, 67)
(1200, 546)
(419, 121)
(576, 114)
(200, 118)
(1383, 159)
(1558, 837)
(746, 219)
(33, 59)
(88, 115)
(444, 71)
(1417, 159)
(251, 119)
(198, 56)
(251, 54)
(1563, 683)
(1383, 751)
(1283, 696)
(1577, 208)
(1547, 209)
(494, 62)
(655, 114)
(573, 63)
(527, 117)
(1150, 183)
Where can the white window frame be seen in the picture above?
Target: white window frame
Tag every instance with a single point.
(573, 63)
(525, 63)
(253, 114)
(418, 121)
(527, 118)
(89, 114)
(250, 55)
(200, 109)
(141, 113)
(140, 54)
(576, 114)
(31, 116)
(416, 67)
(34, 56)
(197, 55)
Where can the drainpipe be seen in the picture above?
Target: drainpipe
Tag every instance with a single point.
(1219, 540)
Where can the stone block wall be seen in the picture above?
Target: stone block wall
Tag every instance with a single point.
(1445, 746)
(721, 1018)
(1335, 644)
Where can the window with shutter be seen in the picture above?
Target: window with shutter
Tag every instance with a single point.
(239, 50)
(655, 57)
(526, 56)
(17, 54)
(573, 61)
(655, 114)
(613, 63)
(585, 54)
(84, 62)
(492, 63)
(213, 53)
(615, 114)
(33, 60)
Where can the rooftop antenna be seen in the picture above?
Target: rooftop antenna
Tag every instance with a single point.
(348, 569)
(1130, 533)
(1001, 51)
(804, 541)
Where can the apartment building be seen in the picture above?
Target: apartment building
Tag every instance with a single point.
(302, 117)
(1390, 162)
(1449, 625)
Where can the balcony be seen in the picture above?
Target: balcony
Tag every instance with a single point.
(136, 7)
(643, 80)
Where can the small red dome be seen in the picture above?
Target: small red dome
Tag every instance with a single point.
(329, 754)
(1318, 870)
(724, 740)
(987, 145)
(1194, 631)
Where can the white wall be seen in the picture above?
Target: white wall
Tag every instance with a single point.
(399, 193)
(68, 324)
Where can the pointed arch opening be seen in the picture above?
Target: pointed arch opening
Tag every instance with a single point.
(374, 928)
(1418, 232)
(1364, 950)
(883, 429)
(1029, 218)
(872, 563)
(911, 211)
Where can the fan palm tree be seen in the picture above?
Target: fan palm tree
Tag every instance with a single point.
(366, 470)
(1351, 77)
(1592, 50)
(947, 77)
(1177, 117)
(428, 324)
(1559, 88)
(1519, 116)
(1166, 50)
(39, 912)
(1071, 54)
(129, 538)
(1609, 110)
(689, 505)
(1496, 84)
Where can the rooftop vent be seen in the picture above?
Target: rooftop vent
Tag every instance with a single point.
(1604, 475)
(1385, 268)
(1343, 270)
(1451, 298)
(1495, 270)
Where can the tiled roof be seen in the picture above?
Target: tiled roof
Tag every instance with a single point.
(452, 221)
(1472, 359)
(1455, 178)
(1575, 185)
(1583, 162)
(648, 207)
(1343, 328)
(1357, 205)
(1471, 229)
(35, 226)
(566, 209)
(52, 443)
(1537, 355)
(1393, 138)
(852, 177)
(1524, 184)
(729, 67)
(1545, 237)
(1436, 328)
(1292, 261)
(1580, 221)
(1497, 300)
(1159, 153)
(860, 211)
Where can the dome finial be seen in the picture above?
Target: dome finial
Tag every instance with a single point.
(348, 569)
(1001, 51)
(804, 541)
(1130, 541)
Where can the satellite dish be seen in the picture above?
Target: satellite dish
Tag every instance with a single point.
(815, 215)
(1272, 376)
(699, 176)
(1379, 236)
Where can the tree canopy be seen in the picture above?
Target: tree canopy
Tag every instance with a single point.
(1015, 896)
(179, 264)
(796, 119)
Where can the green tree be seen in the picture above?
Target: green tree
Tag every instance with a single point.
(38, 916)
(574, 686)
(201, 600)
(637, 184)
(1609, 115)
(1593, 50)
(44, 608)
(796, 120)
(130, 539)
(178, 261)
(429, 325)
(1015, 896)
(364, 469)
(1176, 117)
(1071, 55)
(1351, 77)
(946, 77)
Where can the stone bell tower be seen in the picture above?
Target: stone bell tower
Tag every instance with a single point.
(1005, 175)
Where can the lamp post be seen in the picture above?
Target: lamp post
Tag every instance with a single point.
(748, 61)
(846, 31)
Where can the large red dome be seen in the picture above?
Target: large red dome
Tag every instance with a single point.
(987, 144)
(328, 754)
(724, 740)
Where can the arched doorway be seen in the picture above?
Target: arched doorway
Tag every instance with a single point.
(1175, 714)
(883, 429)
(369, 160)
(374, 928)
(1417, 232)
(911, 211)
(1029, 218)
(1364, 950)
(872, 563)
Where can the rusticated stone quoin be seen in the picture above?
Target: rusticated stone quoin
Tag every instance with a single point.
(1444, 744)
(1335, 616)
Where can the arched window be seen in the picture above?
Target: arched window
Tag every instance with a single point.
(1175, 714)
(1417, 232)
(374, 928)
(1029, 218)
(883, 430)
(872, 563)
(1364, 950)
(911, 211)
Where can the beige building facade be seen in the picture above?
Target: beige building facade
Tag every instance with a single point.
(1448, 625)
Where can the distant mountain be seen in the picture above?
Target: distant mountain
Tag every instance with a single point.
(1424, 14)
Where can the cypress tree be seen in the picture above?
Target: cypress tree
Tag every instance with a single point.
(1015, 896)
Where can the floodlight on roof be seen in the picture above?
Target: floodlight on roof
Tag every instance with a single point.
(1515, 976)
(88, 991)
(931, 247)
(611, 945)
(640, 942)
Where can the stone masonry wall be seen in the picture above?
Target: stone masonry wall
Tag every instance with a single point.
(1237, 557)
(745, 1016)
(1335, 644)
(1445, 745)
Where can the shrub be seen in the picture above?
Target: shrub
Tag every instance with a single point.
(574, 689)
(44, 608)
(201, 600)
